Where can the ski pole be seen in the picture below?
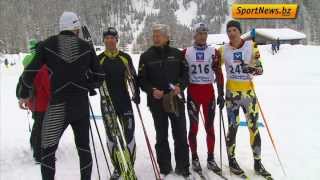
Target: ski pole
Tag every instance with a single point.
(98, 132)
(202, 117)
(28, 119)
(153, 161)
(220, 132)
(152, 158)
(94, 150)
(268, 129)
(172, 87)
(266, 124)
(224, 133)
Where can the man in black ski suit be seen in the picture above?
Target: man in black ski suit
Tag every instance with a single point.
(115, 64)
(70, 61)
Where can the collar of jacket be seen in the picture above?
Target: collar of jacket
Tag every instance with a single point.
(161, 49)
(111, 54)
(200, 47)
(67, 33)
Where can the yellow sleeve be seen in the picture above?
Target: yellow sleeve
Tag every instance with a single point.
(221, 55)
(256, 60)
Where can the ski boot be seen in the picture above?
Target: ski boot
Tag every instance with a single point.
(260, 170)
(212, 165)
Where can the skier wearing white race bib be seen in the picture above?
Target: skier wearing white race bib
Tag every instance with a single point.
(203, 70)
(242, 62)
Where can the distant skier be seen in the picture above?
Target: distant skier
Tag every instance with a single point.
(38, 103)
(70, 60)
(253, 34)
(6, 63)
(273, 48)
(163, 75)
(114, 64)
(203, 69)
(278, 44)
(242, 62)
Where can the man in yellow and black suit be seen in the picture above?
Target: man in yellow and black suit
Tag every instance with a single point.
(242, 62)
(115, 64)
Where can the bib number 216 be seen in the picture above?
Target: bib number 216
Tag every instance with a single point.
(200, 69)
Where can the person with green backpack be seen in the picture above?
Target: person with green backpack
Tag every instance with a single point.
(38, 103)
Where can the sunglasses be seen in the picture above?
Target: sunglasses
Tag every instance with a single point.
(202, 28)
(110, 31)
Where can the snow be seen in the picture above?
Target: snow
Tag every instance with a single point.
(275, 33)
(288, 93)
(186, 15)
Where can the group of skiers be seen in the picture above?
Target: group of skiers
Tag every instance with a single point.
(62, 69)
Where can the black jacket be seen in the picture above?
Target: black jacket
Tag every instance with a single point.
(70, 61)
(116, 78)
(160, 66)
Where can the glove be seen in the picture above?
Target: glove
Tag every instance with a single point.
(170, 103)
(220, 101)
(248, 69)
(92, 92)
(136, 99)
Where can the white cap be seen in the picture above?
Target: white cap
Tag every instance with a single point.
(69, 21)
(163, 28)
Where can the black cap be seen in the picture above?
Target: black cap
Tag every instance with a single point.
(235, 24)
(111, 31)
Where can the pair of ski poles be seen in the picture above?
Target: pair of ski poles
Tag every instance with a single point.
(152, 158)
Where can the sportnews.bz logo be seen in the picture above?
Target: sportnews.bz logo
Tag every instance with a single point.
(264, 11)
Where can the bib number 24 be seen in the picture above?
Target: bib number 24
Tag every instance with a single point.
(236, 69)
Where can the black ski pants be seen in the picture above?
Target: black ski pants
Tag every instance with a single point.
(72, 111)
(35, 138)
(179, 132)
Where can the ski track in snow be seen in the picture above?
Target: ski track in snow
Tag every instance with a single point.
(288, 93)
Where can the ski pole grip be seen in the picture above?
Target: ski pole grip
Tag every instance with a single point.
(172, 87)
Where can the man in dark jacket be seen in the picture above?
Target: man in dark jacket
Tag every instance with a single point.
(70, 61)
(163, 75)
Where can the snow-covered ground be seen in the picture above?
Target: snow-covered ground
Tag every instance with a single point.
(288, 93)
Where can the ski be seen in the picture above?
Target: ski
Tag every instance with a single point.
(112, 123)
(219, 174)
(201, 174)
(242, 176)
(267, 177)
(190, 177)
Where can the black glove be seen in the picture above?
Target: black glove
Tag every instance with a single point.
(136, 99)
(92, 92)
(248, 69)
(220, 101)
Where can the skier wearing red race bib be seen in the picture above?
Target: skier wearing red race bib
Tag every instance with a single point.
(203, 70)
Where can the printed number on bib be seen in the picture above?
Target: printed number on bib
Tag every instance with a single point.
(236, 69)
(199, 69)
